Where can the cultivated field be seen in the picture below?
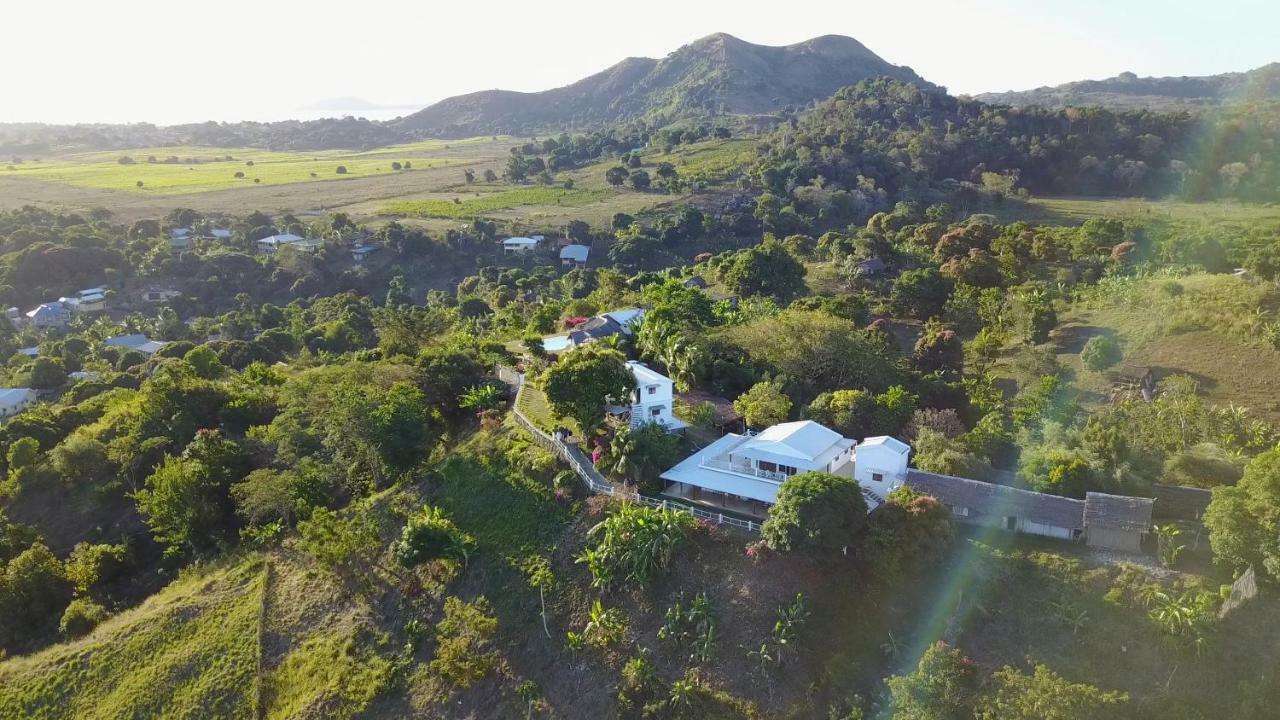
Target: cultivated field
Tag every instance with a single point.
(431, 193)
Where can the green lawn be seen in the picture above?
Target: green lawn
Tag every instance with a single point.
(1076, 210)
(1200, 325)
(189, 651)
(207, 168)
(462, 206)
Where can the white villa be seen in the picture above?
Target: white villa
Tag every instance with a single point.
(652, 400)
(521, 245)
(742, 473)
(49, 315)
(574, 255)
(274, 242)
(15, 400)
(136, 341)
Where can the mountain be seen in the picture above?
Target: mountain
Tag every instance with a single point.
(714, 75)
(346, 102)
(1127, 90)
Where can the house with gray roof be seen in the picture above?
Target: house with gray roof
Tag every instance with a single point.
(1117, 522)
(990, 505)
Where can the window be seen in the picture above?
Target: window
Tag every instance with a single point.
(786, 470)
(877, 477)
(653, 389)
(656, 411)
(1010, 522)
(767, 466)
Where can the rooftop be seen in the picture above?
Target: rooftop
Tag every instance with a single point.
(576, 253)
(1117, 512)
(886, 441)
(694, 470)
(646, 375)
(990, 499)
(803, 440)
(281, 239)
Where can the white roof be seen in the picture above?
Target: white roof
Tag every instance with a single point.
(220, 232)
(885, 441)
(136, 341)
(281, 239)
(626, 317)
(517, 241)
(179, 232)
(803, 440)
(576, 253)
(645, 375)
(8, 395)
(29, 351)
(92, 291)
(691, 472)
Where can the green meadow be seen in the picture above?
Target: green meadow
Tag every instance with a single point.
(201, 169)
(465, 207)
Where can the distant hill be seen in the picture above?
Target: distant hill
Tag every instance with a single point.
(1127, 90)
(714, 75)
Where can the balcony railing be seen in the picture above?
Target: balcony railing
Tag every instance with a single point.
(744, 469)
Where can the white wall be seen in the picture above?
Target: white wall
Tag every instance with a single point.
(663, 396)
(870, 460)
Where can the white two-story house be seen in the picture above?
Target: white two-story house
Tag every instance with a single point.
(742, 473)
(652, 401)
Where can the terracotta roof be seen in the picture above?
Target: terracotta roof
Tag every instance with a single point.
(1117, 512)
(997, 501)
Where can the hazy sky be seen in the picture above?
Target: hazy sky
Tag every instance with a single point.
(169, 61)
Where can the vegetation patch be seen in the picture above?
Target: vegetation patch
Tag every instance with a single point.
(468, 207)
(189, 651)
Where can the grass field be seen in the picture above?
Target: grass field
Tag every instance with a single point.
(1207, 330)
(204, 169)
(189, 651)
(1075, 210)
(459, 206)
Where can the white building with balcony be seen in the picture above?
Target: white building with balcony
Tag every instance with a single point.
(742, 473)
(652, 401)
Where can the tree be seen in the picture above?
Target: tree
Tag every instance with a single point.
(185, 500)
(938, 349)
(940, 688)
(764, 404)
(641, 454)
(579, 383)
(815, 511)
(1100, 353)
(33, 591)
(639, 179)
(205, 362)
(767, 269)
(1045, 695)
(81, 459)
(920, 293)
(341, 170)
(490, 176)
(1243, 521)
(47, 373)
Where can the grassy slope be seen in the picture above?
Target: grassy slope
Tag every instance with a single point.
(189, 651)
(1206, 332)
(1076, 210)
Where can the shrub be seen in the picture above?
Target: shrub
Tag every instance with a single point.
(430, 535)
(639, 684)
(81, 616)
(1100, 353)
(634, 543)
(463, 639)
